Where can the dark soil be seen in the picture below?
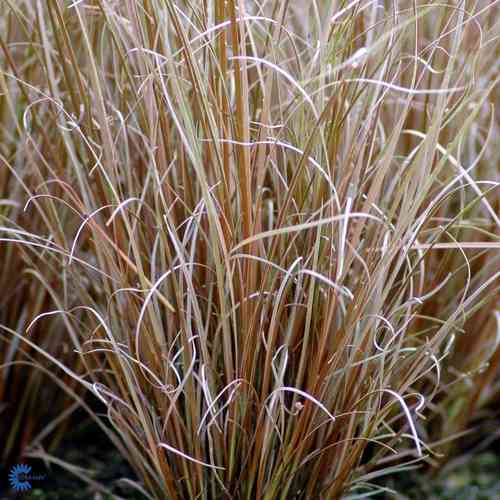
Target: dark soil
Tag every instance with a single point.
(86, 448)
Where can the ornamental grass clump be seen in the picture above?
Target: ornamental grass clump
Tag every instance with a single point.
(27, 377)
(271, 225)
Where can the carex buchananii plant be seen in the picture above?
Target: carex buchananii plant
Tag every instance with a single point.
(26, 380)
(35, 401)
(272, 225)
(470, 388)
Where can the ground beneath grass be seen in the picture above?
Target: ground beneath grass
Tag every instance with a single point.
(87, 449)
(476, 479)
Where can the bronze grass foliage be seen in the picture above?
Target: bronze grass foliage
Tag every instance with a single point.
(35, 400)
(273, 229)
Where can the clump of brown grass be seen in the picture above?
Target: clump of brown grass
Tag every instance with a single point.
(270, 223)
(35, 401)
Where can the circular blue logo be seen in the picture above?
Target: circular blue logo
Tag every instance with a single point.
(18, 477)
